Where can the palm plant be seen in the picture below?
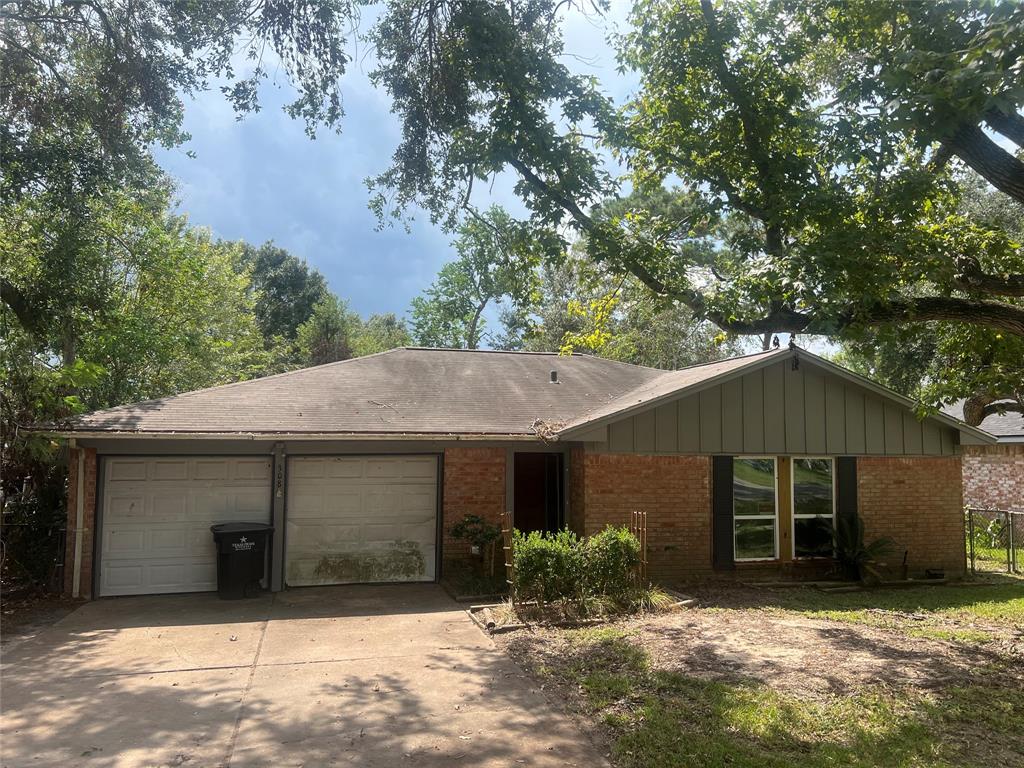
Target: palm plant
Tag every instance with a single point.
(857, 559)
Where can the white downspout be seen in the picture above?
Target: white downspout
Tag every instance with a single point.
(76, 583)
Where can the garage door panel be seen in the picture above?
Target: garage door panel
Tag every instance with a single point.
(170, 469)
(168, 505)
(250, 469)
(125, 470)
(156, 532)
(361, 519)
(206, 469)
(344, 468)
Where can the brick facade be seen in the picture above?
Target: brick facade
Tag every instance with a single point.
(88, 522)
(474, 484)
(994, 476)
(918, 503)
(675, 491)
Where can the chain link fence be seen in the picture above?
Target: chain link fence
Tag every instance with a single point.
(995, 538)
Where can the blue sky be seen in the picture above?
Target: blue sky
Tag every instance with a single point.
(262, 179)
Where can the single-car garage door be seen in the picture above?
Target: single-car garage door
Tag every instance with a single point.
(360, 519)
(156, 518)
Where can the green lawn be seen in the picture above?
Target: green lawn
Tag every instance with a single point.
(998, 601)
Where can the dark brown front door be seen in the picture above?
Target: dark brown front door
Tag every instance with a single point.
(539, 492)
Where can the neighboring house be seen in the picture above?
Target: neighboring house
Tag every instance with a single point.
(742, 467)
(994, 474)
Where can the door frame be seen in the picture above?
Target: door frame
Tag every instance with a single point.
(510, 469)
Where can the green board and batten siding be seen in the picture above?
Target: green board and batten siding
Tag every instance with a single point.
(781, 410)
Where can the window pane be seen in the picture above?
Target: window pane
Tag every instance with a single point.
(755, 538)
(812, 487)
(813, 536)
(753, 487)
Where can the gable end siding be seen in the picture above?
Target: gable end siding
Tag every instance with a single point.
(783, 409)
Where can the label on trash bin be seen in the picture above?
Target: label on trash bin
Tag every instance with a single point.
(243, 545)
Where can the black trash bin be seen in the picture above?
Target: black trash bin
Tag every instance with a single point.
(241, 557)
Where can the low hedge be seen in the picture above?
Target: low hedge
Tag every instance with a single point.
(561, 567)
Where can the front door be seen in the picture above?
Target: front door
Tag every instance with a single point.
(539, 494)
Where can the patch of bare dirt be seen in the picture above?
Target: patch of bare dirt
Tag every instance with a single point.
(26, 612)
(806, 657)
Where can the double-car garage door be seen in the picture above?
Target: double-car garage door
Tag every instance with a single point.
(349, 519)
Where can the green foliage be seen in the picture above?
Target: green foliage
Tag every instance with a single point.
(117, 303)
(326, 336)
(547, 567)
(584, 309)
(792, 166)
(610, 561)
(286, 288)
(475, 531)
(88, 87)
(379, 333)
(497, 260)
(855, 557)
(593, 575)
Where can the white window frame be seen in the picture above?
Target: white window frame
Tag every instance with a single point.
(792, 505)
(774, 518)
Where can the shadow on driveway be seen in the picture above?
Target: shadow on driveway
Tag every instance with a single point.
(370, 676)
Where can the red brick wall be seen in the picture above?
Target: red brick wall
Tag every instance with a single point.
(994, 476)
(918, 503)
(474, 484)
(675, 491)
(88, 522)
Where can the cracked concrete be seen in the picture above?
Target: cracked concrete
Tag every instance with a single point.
(369, 676)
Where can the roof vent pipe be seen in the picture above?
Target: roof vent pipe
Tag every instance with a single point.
(554, 377)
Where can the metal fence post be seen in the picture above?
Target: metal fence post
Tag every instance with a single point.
(970, 534)
(1011, 551)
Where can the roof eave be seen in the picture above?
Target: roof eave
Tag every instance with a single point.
(94, 434)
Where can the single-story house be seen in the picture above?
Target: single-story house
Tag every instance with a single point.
(994, 474)
(741, 465)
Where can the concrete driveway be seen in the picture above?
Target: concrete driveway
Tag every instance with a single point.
(368, 676)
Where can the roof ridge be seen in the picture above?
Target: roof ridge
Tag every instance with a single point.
(488, 351)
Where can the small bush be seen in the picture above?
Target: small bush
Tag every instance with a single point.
(548, 566)
(596, 575)
(611, 559)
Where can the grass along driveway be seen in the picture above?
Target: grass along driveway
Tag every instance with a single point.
(796, 677)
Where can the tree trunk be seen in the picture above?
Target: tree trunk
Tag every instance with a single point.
(472, 340)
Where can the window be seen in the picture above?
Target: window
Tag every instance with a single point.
(754, 509)
(813, 507)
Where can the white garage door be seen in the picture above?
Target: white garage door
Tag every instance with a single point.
(360, 519)
(157, 514)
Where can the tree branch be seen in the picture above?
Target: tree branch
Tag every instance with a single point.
(1001, 169)
(19, 304)
(971, 277)
(1011, 125)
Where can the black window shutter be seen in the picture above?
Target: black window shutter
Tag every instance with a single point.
(846, 488)
(721, 512)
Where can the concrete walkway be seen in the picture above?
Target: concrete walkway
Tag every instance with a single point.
(368, 676)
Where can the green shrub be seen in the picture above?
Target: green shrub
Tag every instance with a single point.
(597, 574)
(548, 566)
(611, 559)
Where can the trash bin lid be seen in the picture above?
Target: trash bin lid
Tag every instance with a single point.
(241, 528)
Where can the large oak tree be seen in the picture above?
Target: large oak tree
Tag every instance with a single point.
(812, 150)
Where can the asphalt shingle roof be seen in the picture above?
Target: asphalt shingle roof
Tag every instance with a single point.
(1005, 426)
(404, 391)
